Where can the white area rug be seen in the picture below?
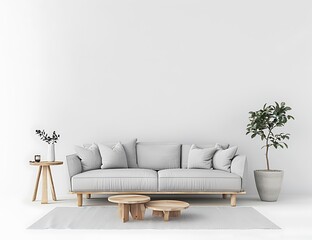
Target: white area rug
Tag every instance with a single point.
(106, 217)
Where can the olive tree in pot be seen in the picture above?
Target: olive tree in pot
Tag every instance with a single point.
(262, 123)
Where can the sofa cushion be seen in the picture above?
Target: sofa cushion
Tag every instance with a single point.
(158, 155)
(223, 158)
(90, 157)
(116, 180)
(186, 149)
(130, 149)
(200, 157)
(113, 157)
(197, 180)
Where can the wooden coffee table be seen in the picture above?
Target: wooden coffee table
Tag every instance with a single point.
(167, 208)
(130, 203)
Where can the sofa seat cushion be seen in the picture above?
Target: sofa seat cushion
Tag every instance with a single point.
(115, 180)
(197, 180)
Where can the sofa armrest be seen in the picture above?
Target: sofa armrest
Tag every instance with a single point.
(239, 167)
(74, 166)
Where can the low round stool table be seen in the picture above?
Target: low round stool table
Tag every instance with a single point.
(130, 203)
(167, 208)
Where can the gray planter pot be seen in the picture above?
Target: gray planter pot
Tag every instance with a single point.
(269, 184)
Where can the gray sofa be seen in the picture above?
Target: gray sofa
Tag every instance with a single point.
(161, 169)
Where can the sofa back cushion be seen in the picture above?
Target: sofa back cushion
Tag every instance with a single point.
(186, 149)
(158, 156)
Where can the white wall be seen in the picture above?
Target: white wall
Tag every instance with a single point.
(173, 71)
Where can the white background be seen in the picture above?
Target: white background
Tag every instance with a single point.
(169, 71)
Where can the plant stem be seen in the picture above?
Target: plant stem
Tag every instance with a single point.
(267, 150)
(267, 156)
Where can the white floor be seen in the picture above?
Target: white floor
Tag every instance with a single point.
(292, 213)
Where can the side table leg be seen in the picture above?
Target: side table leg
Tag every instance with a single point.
(166, 215)
(120, 206)
(37, 184)
(125, 212)
(142, 210)
(44, 198)
(52, 184)
(137, 211)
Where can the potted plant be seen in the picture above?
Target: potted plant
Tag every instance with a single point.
(262, 123)
(51, 140)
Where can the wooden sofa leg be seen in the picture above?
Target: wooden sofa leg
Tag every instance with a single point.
(88, 196)
(233, 200)
(224, 196)
(79, 199)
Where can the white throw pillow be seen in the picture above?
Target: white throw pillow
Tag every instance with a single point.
(113, 157)
(223, 158)
(130, 150)
(90, 157)
(201, 157)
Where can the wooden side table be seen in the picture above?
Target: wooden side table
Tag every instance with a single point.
(167, 208)
(44, 167)
(130, 203)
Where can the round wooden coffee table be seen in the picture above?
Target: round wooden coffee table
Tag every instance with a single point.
(130, 203)
(167, 208)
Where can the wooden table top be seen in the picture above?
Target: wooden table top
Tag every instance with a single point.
(45, 163)
(167, 205)
(129, 199)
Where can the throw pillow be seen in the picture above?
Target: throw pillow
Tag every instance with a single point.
(113, 157)
(223, 158)
(200, 157)
(90, 157)
(131, 153)
(130, 150)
